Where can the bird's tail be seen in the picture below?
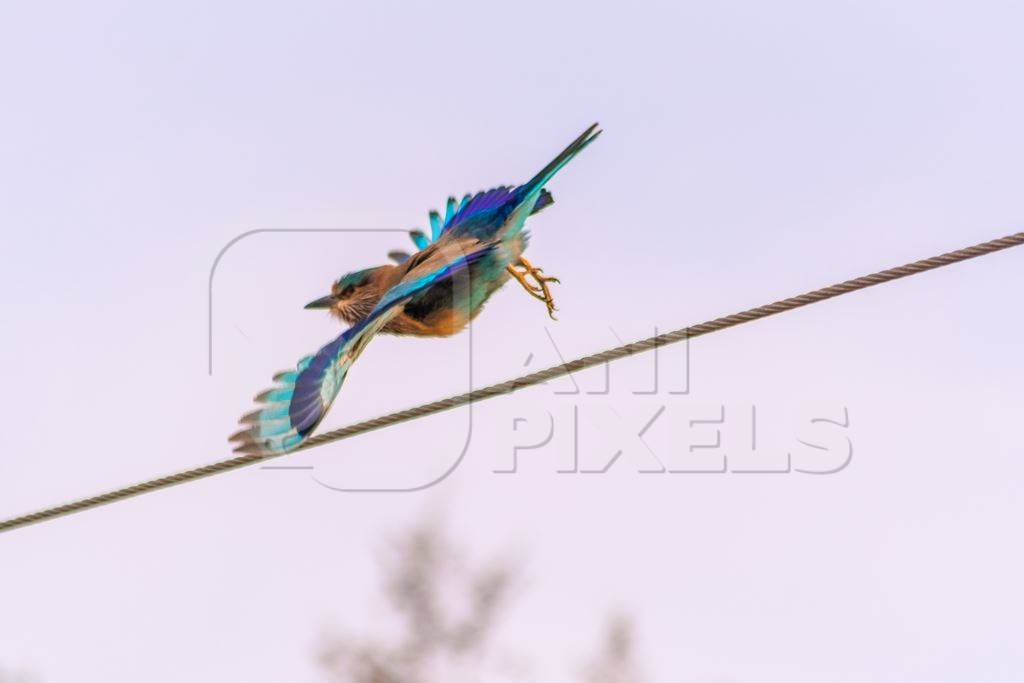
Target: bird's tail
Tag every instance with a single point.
(529, 193)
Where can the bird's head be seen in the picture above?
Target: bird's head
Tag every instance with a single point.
(354, 295)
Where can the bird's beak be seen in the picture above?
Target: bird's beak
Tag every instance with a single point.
(323, 302)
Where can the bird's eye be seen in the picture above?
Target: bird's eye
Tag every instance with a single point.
(347, 292)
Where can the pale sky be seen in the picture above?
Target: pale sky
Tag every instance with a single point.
(751, 151)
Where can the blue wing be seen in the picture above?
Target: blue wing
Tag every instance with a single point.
(502, 208)
(302, 397)
(459, 212)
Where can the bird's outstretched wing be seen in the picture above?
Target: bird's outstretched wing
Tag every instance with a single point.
(501, 209)
(295, 406)
(525, 198)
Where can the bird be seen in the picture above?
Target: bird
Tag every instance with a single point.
(354, 294)
(434, 292)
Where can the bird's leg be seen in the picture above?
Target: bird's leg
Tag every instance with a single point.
(521, 279)
(540, 289)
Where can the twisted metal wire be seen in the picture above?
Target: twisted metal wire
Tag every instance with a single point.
(531, 379)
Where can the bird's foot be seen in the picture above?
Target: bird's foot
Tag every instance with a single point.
(539, 287)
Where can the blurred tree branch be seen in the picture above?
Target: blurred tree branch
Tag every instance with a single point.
(447, 613)
(615, 661)
(425, 585)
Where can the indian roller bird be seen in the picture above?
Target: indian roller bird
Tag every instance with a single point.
(354, 294)
(434, 292)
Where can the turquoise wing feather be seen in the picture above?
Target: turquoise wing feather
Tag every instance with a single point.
(419, 239)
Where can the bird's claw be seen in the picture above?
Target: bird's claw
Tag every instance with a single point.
(538, 289)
